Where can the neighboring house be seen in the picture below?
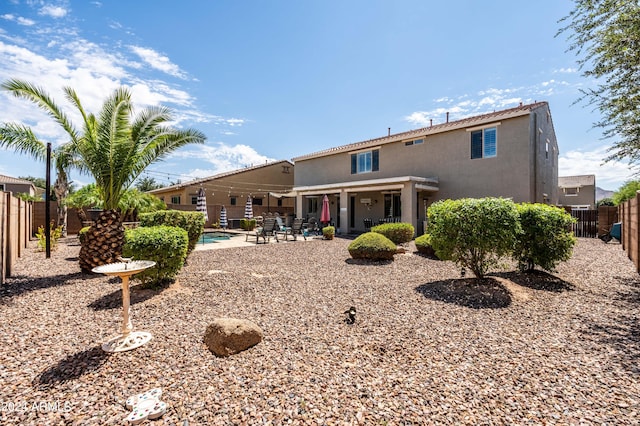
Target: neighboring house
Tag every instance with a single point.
(15, 185)
(267, 185)
(578, 192)
(511, 153)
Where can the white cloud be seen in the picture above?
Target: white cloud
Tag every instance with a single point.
(53, 11)
(568, 70)
(608, 175)
(25, 21)
(222, 157)
(18, 19)
(158, 61)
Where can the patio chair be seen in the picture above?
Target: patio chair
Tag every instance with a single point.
(266, 231)
(294, 230)
(368, 223)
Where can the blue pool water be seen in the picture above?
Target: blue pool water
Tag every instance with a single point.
(213, 237)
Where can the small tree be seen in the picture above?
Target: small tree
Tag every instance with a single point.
(546, 239)
(626, 192)
(473, 232)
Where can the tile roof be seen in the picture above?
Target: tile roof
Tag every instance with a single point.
(9, 179)
(576, 181)
(218, 176)
(436, 128)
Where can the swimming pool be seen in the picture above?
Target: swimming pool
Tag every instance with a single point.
(213, 237)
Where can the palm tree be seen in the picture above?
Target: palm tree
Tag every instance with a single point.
(22, 139)
(114, 147)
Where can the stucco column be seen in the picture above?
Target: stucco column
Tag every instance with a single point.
(344, 212)
(409, 202)
(299, 206)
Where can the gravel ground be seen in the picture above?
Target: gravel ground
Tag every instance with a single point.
(428, 347)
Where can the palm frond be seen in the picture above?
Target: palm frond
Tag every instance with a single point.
(22, 139)
(37, 95)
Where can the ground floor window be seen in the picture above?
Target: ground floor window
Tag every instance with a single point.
(175, 199)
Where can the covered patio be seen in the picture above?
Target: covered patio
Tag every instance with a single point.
(397, 199)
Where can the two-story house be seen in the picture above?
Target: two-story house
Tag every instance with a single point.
(511, 153)
(577, 192)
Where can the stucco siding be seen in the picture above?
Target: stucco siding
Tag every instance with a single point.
(445, 156)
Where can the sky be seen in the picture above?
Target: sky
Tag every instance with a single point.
(273, 80)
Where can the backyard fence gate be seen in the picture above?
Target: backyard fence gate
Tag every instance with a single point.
(587, 223)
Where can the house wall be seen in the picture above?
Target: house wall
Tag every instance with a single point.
(524, 169)
(586, 197)
(17, 188)
(544, 165)
(447, 157)
(258, 182)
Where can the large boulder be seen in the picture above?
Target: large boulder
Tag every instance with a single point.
(228, 336)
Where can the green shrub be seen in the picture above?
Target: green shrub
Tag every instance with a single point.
(82, 234)
(372, 245)
(328, 232)
(398, 233)
(166, 245)
(248, 224)
(626, 192)
(474, 232)
(192, 222)
(423, 245)
(54, 236)
(546, 239)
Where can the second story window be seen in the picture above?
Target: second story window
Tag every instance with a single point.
(365, 161)
(484, 143)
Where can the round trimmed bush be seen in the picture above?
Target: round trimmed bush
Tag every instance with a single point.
(192, 222)
(423, 245)
(546, 239)
(328, 232)
(372, 245)
(398, 233)
(166, 245)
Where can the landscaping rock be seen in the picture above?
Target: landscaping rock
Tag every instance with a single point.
(228, 336)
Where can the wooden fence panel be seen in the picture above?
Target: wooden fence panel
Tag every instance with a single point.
(4, 239)
(629, 215)
(607, 216)
(15, 231)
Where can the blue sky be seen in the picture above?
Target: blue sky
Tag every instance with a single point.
(272, 80)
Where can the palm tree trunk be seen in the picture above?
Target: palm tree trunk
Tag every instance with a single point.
(61, 189)
(103, 242)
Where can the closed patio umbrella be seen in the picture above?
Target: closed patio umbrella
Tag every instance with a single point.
(325, 215)
(201, 204)
(248, 209)
(223, 218)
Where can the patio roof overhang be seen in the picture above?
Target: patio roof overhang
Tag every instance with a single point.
(386, 184)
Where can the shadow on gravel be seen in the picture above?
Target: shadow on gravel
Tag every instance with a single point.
(621, 332)
(633, 293)
(486, 293)
(21, 284)
(537, 280)
(137, 294)
(351, 261)
(72, 367)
